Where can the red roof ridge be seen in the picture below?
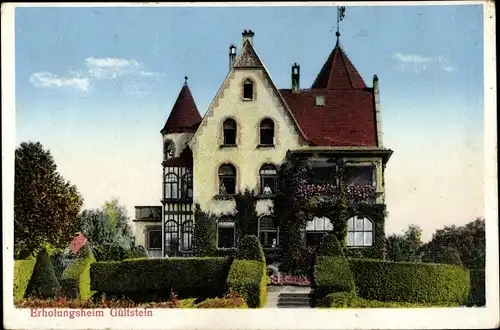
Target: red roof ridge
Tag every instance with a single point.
(184, 115)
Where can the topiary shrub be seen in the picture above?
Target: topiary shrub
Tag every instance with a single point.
(75, 280)
(337, 299)
(450, 256)
(477, 295)
(248, 278)
(144, 279)
(137, 252)
(332, 274)
(205, 234)
(330, 246)
(23, 269)
(43, 282)
(249, 248)
(410, 282)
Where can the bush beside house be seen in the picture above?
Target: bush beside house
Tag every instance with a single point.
(410, 282)
(248, 278)
(75, 280)
(23, 269)
(43, 282)
(249, 248)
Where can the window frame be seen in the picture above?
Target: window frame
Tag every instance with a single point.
(148, 238)
(321, 231)
(187, 185)
(363, 230)
(372, 167)
(170, 185)
(221, 220)
(221, 177)
(226, 131)
(169, 232)
(271, 128)
(166, 145)
(264, 176)
(276, 230)
(248, 82)
(190, 232)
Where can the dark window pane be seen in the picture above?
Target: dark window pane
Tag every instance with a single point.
(360, 175)
(322, 174)
(269, 239)
(226, 237)
(267, 136)
(154, 239)
(229, 136)
(228, 186)
(268, 185)
(248, 90)
(314, 239)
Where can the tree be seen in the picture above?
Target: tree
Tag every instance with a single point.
(107, 225)
(406, 247)
(468, 240)
(45, 205)
(43, 282)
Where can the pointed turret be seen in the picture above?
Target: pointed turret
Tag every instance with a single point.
(184, 116)
(338, 72)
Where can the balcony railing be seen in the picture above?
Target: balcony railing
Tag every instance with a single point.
(148, 213)
(355, 193)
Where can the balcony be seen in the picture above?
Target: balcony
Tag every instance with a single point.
(356, 193)
(147, 213)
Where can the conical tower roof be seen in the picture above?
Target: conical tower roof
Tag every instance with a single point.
(184, 116)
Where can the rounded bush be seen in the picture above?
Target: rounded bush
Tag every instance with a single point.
(137, 252)
(43, 282)
(249, 248)
(330, 246)
(110, 252)
(450, 256)
(410, 282)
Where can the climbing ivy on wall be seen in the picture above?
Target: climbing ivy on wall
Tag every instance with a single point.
(246, 216)
(205, 233)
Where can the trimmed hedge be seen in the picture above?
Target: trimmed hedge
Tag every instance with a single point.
(330, 246)
(477, 295)
(75, 280)
(349, 300)
(249, 248)
(248, 278)
(23, 269)
(410, 282)
(332, 274)
(110, 252)
(143, 279)
(43, 282)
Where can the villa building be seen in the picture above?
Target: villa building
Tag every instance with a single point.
(249, 130)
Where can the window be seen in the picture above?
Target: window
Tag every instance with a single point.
(154, 239)
(171, 186)
(227, 180)
(268, 179)
(322, 174)
(168, 150)
(268, 232)
(229, 128)
(187, 235)
(248, 90)
(171, 236)
(267, 132)
(320, 100)
(359, 175)
(316, 229)
(359, 231)
(226, 233)
(187, 185)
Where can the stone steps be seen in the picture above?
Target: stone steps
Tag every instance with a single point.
(288, 297)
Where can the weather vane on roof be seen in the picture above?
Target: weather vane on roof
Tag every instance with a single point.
(340, 18)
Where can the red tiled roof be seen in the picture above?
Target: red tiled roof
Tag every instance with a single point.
(346, 119)
(184, 116)
(78, 242)
(185, 159)
(338, 72)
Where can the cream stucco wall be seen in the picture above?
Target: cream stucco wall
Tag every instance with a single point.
(141, 233)
(246, 157)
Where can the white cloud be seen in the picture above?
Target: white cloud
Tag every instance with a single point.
(110, 68)
(417, 63)
(46, 79)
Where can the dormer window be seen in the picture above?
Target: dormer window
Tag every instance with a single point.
(168, 150)
(248, 90)
(320, 100)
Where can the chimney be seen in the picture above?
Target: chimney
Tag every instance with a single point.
(376, 99)
(295, 78)
(248, 35)
(232, 55)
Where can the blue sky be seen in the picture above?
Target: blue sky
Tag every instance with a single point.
(95, 86)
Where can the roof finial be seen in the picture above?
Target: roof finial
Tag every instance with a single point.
(340, 18)
(185, 80)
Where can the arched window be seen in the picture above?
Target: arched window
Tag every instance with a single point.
(226, 233)
(268, 179)
(227, 180)
(248, 90)
(268, 232)
(171, 237)
(168, 150)
(316, 229)
(187, 185)
(229, 130)
(267, 132)
(359, 231)
(187, 235)
(171, 185)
